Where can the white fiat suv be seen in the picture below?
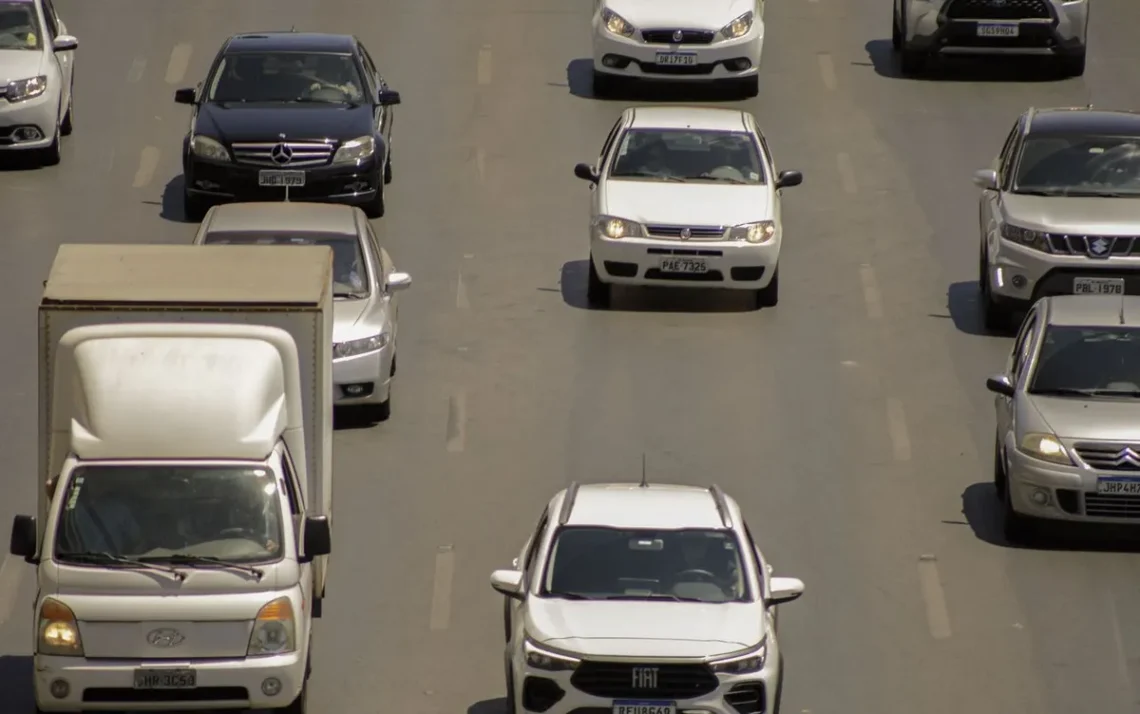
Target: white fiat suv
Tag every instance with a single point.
(642, 599)
(685, 197)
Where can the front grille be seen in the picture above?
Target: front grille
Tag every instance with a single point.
(677, 69)
(616, 680)
(1110, 457)
(1112, 506)
(305, 153)
(668, 37)
(685, 251)
(114, 695)
(1093, 246)
(747, 698)
(695, 232)
(998, 10)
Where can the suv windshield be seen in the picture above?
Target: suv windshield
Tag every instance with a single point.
(1088, 361)
(1079, 165)
(19, 27)
(594, 563)
(688, 155)
(287, 77)
(155, 513)
(349, 268)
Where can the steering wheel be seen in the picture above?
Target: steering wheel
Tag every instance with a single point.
(704, 574)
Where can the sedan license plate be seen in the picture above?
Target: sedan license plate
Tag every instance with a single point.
(281, 178)
(1002, 29)
(623, 707)
(165, 679)
(688, 266)
(1098, 286)
(1118, 486)
(674, 59)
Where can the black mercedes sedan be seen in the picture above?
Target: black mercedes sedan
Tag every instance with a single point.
(289, 116)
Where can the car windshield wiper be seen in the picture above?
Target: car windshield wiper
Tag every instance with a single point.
(353, 296)
(722, 179)
(655, 596)
(570, 596)
(1040, 192)
(650, 175)
(1063, 392)
(188, 559)
(1134, 393)
(311, 100)
(102, 558)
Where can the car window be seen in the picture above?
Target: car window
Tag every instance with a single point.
(688, 155)
(535, 544)
(1005, 158)
(1101, 360)
(52, 18)
(609, 143)
(20, 27)
(1021, 346)
(287, 77)
(350, 270)
(369, 67)
(1079, 164)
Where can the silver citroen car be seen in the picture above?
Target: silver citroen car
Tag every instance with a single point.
(365, 286)
(1068, 416)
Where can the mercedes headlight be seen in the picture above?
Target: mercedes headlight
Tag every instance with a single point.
(746, 662)
(1026, 236)
(354, 151)
(541, 658)
(1045, 447)
(616, 24)
(758, 232)
(616, 228)
(30, 88)
(738, 27)
(206, 148)
(353, 348)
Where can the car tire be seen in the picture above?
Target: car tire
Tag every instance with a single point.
(1018, 529)
(598, 293)
(388, 169)
(375, 208)
(779, 688)
(376, 413)
(67, 124)
(769, 296)
(510, 706)
(999, 470)
(194, 208)
(604, 85)
(507, 620)
(1072, 65)
(53, 153)
(912, 62)
(996, 317)
(896, 31)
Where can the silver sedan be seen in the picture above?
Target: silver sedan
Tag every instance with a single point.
(365, 287)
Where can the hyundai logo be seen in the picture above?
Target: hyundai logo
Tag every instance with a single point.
(678, 35)
(1099, 247)
(165, 637)
(686, 233)
(281, 154)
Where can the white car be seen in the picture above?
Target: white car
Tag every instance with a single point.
(642, 599)
(713, 40)
(36, 58)
(685, 197)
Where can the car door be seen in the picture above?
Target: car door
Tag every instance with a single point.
(600, 168)
(65, 60)
(1015, 368)
(527, 562)
(382, 116)
(988, 202)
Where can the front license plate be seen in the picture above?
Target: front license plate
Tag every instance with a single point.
(1098, 286)
(1118, 486)
(622, 707)
(281, 178)
(165, 679)
(1004, 29)
(673, 59)
(689, 266)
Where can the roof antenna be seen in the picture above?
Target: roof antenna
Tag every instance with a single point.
(644, 479)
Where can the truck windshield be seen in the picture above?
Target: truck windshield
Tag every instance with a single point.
(161, 513)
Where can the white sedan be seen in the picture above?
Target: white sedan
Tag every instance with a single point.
(711, 40)
(685, 197)
(36, 58)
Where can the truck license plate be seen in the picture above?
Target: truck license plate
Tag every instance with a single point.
(1118, 486)
(281, 178)
(623, 707)
(165, 679)
(675, 59)
(1003, 29)
(689, 266)
(1098, 286)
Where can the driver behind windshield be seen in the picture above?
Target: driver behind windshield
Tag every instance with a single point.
(18, 27)
(699, 557)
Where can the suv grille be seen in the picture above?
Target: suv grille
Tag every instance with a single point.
(1110, 457)
(998, 10)
(688, 37)
(617, 680)
(695, 232)
(1094, 246)
(304, 153)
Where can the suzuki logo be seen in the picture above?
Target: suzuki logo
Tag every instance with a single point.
(678, 35)
(281, 154)
(165, 637)
(645, 678)
(1099, 247)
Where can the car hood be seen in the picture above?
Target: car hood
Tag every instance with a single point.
(20, 64)
(691, 204)
(644, 629)
(706, 14)
(1094, 419)
(1080, 215)
(350, 320)
(270, 122)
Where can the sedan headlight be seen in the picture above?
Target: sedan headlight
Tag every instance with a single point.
(746, 662)
(616, 24)
(1045, 447)
(206, 148)
(274, 629)
(354, 151)
(758, 232)
(1026, 236)
(30, 88)
(354, 348)
(615, 228)
(539, 657)
(738, 27)
(58, 632)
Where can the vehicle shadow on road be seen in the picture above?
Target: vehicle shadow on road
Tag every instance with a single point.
(173, 208)
(16, 683)
(580, 81)
(962, 69)
(351, 420)
(16, 161)
(572, 285)
(489, 706)
(964, 302)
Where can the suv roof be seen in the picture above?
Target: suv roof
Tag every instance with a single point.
(290, 42)
(631, 505)
(1066, 120)
(1093, 310)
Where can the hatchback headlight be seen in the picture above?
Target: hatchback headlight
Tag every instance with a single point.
(1045, 447)
(616, 24)
(1026, 237)
(539, 657)
(738, 27)
(745, 662)
(353, 348)
(206, 148)
(758, 232)
(355, 151)
(29, 88)
(615, 228)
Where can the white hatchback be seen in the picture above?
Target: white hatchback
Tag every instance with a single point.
(685, 197)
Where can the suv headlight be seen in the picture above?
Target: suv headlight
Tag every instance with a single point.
(758, 232)
(1026, 236)
(1045, 447)
(356, 150)
(30, 88)
(274, 629)
(547, 660)
(744, 662)
(352, 348)
(738, 27)
(206, 148)
(58, 631)
(616, 24)
(615, 228)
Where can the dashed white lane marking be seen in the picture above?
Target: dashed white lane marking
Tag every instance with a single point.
(481, 164)
(937, 616)
(441, 589)
(483, 66)
(179, 63)
(871, 296)
(846, 173)
(461, 300)
(1121, 651)
(148, 163)
(896, 426)
(827, 70)
(138, 68)
(11, 572)
(457, 422)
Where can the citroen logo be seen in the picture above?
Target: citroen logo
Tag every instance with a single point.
(678, 35)
(1099, 247)
(281, 154)
(1127, 456)
(165, 637)
(686, 233)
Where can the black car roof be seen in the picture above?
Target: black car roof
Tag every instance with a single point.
(1085, 121)
(290, 42)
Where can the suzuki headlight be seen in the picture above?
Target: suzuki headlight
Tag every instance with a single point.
(58, 632)
(758, 232)
(738, 27)
(353, 348)
(746, 662)
(206, 148)
(1045, 447)
(616, 228)
(616, 24)
(539, 657)
(21, 89)
(355, 151)
(1026, 236)
(274, 629)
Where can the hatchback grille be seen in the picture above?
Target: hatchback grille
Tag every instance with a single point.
(1110, 457)
(304, 153)
(1093, 246)
(695, 232)
(614, 680)
(1112, 506)
(998, 10)
(668, 37)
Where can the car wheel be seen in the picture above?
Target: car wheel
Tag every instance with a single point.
(375, 207)
(995, 316)
(510, 706)
(376, 413)
(769, 296)
(999, 470)
(388, 169)
(1017, 528)
(194, 207)
(896, 32)
(605, 85)
(67, 125)
(597, 292)
(53, 154)
(392, 371)
(912, 62)
(507, 620)
(1072, 65)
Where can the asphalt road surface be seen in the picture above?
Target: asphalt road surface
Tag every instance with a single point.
(851, 421)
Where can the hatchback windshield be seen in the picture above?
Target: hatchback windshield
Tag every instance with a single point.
(688, 155)
(19, 27)
(350, 277)
(159, 513)
(287, 77)
(1089, 361)
(1079, 165)
(613, 564)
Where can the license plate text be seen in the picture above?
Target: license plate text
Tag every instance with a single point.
(998, 30)
(645, 708)
(1098, 286)
(165, 679)
(684, 265)
(676, 58)
(1122, 487)
(281, 178)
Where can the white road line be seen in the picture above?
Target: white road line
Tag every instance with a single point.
(461, 300)
(871, 296)
(11, 572)
(481, 164)
(846, 173)
(1121, 651)
(441, 589)
(827, 70)
(896, 425)
(937, 616)
(483, 66)
(179, 63)
(148, 163)
(457, 422)
(138, 67)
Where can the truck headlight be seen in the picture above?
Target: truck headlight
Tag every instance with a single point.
(745, 662)
(274, 629)
(58, 630)
(30, 88)
(353, 348)
(539, 657)
(615, 228)
(616, 24)
(738, 27)
(758, 232)
(206, 148)
(1045, 447)
(355, 151)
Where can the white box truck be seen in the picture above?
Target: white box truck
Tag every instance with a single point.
(185, 511)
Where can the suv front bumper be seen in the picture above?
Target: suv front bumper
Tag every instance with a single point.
(1020, 276)
(929, 29)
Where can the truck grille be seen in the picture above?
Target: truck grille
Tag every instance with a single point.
(1110, 457)
(688, 37)
(617, 680)
(695, 232)
(1112, 506)
(1093, 246)
(998, 10)
(303, 153)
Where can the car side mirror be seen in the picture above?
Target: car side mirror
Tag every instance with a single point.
(785, 590)
(986, 179)
(185, 96)
(318, 538)
(399, 281)
(508, 582)
(586, 173)
(23, 540)
(1000, 384)
(388, 98)
(787, 179)
(64, 43)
